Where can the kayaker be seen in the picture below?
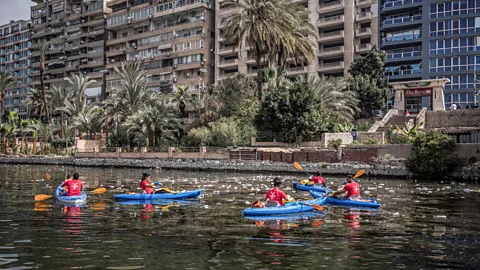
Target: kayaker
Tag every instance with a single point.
(146, 185)
(275, 194)
(69, 177)
(318, 180)
(74, 186)
(352, 188)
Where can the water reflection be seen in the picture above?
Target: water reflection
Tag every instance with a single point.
(421, 225)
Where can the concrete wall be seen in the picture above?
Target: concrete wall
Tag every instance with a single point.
(468, 153)
(398, 151)
(455, 118)
(87, 145)
(379, 136)
(345, 137)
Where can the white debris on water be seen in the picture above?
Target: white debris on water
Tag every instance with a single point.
(247, 202)
(440, 216)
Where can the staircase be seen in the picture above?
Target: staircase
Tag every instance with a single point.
(398, 120)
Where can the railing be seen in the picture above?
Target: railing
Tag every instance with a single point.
(366, 14)
(332, 49)
(331, 34)
(402, 20)
(403, 72)
(327, 66)
(362, 47)
(402, 38)
(399, 3)
(227, 49)
(403, 54)
(331, 19)
(296, 70)
(228, 62)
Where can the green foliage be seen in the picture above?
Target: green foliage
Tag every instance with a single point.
(182, 96)
(432, 156)
(335, 143)
(371, 96)
(370, 66)
(308, 106)
(222, 133)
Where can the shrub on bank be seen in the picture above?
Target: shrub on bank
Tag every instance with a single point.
(432, 155)
(222, 133)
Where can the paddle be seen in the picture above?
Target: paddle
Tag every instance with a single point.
(299, 167)
(42, 197)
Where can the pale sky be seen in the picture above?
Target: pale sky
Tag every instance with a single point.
(14, 10)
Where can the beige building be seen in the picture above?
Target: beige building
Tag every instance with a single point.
(76, 31)
(172, 39)
(346, 28)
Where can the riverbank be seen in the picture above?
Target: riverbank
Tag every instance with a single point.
(392, 168)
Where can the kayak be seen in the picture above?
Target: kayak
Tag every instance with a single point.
(159, 202)
(288, 208)
(160, 196)
(70, 199)
(308, 187)
(335, 201)
(295, 216)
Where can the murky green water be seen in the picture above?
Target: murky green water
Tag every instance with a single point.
(420, 226)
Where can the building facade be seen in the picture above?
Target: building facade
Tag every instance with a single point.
(14, 53)
(173, 40)
(76, 32)
(346, 28)
(432, 40)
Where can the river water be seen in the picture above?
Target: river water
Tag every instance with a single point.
(420, 225)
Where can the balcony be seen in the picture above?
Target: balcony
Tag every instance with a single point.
(226, 75)
(394, 5)
(363, 48)
(403, 73)
(332, 36)
(399, 21)
(364, 16)
(363, 3)
(331, 21)
(403, 56)
(297, 71)
(331, 51)
(228, 63)
(335, 66)
(227, 50)
(363, 32)
(330, 6)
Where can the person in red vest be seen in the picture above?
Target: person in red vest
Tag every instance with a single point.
(146, 185)
(318, 180)
(74, 186)
(275, 194)
(352, 188)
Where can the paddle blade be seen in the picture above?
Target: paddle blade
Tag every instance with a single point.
(99, 191)
(297, 166)
(48, 176)
(359, 173)
(42, 197)
(317, 207)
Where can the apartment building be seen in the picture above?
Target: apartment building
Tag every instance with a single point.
(346, 29)
(76, 31)
(172, 39)
(432, 39)
(14, 53)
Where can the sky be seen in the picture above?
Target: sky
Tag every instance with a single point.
(14, 10)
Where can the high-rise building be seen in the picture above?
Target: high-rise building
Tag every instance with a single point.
(173, 41)
(432, 39)
(346, 28)
(76, 32)
(14, 53)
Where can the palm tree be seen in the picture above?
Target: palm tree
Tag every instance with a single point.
(87, 117)
(271, 28)
(6, 80)
(24, 130)
(35, 101)
(182, 96)
(156, 123)
(79, 84)
(44, 47)
(59, 96)
(44, 131)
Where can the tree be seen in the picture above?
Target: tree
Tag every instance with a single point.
(35, 101)
(182, 96)
(80, 83)
(156, 123)
(432, 156)
(59, 96)
(6, 80)
(303, 109)
(372, 66)
(44, 131)
(370, 96)
(43, 48)
(271, 28)
(86, 117)
(222, 133)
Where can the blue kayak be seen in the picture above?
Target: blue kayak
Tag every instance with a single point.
(288, 208)
(73, 200)
(159, 196)
(345, 202)
(159, 202)
(308, 187)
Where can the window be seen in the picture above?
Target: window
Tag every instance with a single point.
(477, 22)
(187, 46)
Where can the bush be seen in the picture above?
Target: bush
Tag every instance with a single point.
(432, 155)
(222, 133)
(335, 143)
